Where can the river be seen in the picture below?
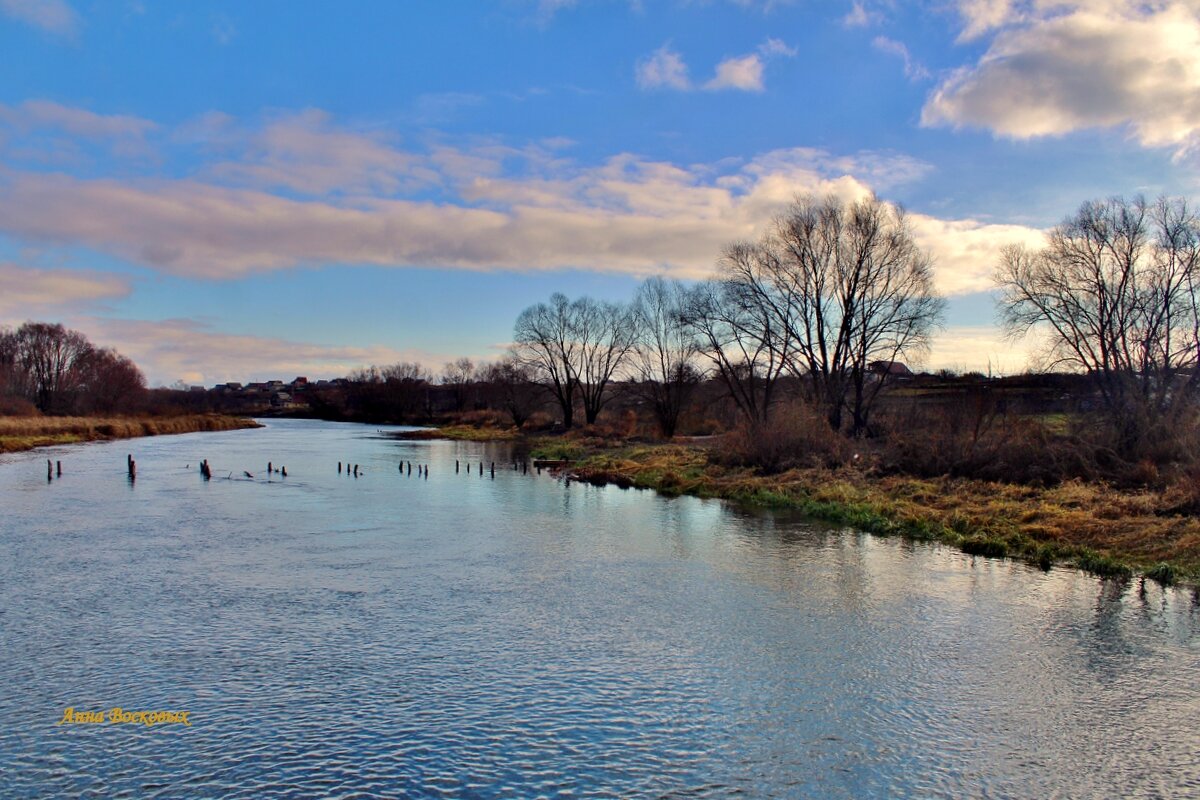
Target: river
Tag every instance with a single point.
(459, 635)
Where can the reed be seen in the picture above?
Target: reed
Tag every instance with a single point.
(26, 433)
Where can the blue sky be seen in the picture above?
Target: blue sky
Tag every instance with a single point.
(239, 191)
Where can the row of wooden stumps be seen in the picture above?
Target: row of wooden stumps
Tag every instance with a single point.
(50, 470)
(523, 466)
(349, 472)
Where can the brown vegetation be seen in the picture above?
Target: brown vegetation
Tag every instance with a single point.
(28, 432)
(1095, 526)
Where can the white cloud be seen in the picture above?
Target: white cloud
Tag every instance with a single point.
(54, 16)
(965, 250)
(663, 69)
(309, 193)
(45, 114)
(184, 349)
(913, 70)
(666, 69)
(32, 291)
(776, 47)
(859, 16)
(744, 73)
(981, 348)
(627, 216)
(981, 16)
(1057, 67)
(304, 153)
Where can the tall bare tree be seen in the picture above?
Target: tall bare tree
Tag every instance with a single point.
(742, 341)
(574, 349)
(663, 359)
(458, 375)
(109, 382)
(605, 335)
(1115, 290)
(512, 387)
(829, 289)
(544, 343)
(51, 356)
(842, 285)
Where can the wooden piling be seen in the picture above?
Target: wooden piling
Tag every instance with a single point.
(49, 471)
(456, 466)
(339, 468)
(493, 470)
(283, 471)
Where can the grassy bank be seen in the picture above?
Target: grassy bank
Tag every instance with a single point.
(463, 433)
(26, 433)
(1106, 531)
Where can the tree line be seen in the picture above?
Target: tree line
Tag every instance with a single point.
(834, 293)
(58, 371)
(816, 311)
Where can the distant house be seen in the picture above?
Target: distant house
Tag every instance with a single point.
(890, 369)
(300, 381)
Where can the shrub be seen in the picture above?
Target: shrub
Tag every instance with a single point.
(796, 435)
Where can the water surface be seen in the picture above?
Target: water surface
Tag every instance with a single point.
(464, 636)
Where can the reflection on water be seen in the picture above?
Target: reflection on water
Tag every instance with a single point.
(459, 636)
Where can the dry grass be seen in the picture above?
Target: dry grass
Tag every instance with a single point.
(26, 433)
(464, 433)
(1092, 525)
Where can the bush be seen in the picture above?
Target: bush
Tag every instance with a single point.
(12, 406)
(796, 435)
(484, 418)
(540, 421)
(972, 438)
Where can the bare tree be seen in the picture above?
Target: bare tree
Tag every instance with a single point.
(458, 375)
(110, 382)
(574, 350)
(843, 285)
(514, 388)
(1115, 291)
(741, 340)
(50, 355)
(663, 359)
(605, 335)
(544, 343)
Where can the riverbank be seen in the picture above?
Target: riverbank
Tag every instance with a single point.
(1105, 530)
(26, 433)
(1095, 527)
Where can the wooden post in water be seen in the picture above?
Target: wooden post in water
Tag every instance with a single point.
(493, 470)
(132, 468)
(49, 471)
(58, 464)
(283, 471)
(426, 472)
(456, 466)
(339, 468)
